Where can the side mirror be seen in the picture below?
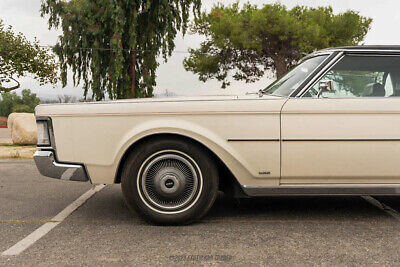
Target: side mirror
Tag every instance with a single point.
(325, 86)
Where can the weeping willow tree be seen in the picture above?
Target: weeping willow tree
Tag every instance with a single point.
(112, 45)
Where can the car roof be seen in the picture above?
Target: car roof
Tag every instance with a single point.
(365, 47)
(384, 49)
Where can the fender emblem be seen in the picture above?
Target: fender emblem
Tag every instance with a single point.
(264, 173)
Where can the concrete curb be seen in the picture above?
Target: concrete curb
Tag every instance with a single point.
(20, 152)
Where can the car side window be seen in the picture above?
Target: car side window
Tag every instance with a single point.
(360, 76)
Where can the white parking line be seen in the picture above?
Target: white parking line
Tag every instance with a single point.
(47, 227)
(395, 214)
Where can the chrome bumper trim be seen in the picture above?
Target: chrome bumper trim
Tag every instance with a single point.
(324, 190)
(48, 166)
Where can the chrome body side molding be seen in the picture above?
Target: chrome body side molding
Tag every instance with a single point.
(323, 190)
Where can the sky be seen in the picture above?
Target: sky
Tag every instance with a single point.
(24, 16)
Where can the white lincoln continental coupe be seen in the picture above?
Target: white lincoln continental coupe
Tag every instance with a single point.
(331, 126)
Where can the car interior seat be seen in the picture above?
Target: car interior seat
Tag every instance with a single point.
(374, 89)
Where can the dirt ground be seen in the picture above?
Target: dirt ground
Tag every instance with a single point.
(5, 137)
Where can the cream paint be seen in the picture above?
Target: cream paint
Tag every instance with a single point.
(98, 135)
(357, 160)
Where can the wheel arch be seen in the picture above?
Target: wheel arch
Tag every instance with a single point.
(227, 178)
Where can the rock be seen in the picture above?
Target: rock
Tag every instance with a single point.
(11, 119)
(23, 128)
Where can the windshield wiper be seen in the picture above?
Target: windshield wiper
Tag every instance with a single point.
(262, 93)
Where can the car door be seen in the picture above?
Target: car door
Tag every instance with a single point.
(345, 128)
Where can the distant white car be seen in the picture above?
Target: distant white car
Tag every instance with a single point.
(331, 126)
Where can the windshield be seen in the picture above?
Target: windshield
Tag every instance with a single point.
(291, 80)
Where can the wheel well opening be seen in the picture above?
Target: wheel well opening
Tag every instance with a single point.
(227, 181)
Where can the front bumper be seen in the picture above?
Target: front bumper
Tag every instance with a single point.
(48, 166)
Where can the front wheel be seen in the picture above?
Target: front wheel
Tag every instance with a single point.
(170, 181)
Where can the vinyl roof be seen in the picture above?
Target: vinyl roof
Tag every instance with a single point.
(366, 47)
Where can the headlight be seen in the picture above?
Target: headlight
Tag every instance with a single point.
(43, 138)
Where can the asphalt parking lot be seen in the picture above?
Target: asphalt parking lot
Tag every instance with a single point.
(265, 231)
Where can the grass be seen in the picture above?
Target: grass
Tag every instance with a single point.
(15, 155)
(11, 151)
(12, 145)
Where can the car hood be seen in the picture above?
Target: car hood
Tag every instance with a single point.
(189, 98)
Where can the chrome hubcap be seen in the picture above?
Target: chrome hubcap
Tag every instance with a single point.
(169, 181)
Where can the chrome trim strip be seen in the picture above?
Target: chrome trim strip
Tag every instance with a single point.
(314, 80)
(165, 100)
(52, 136)
(170, 113)
(347, 50)
(328, 190)
(295, 92)
(371, 55)
(316, 54)
(48, 166)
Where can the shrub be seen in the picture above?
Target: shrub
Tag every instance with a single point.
(22, 109)
(11, 102)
